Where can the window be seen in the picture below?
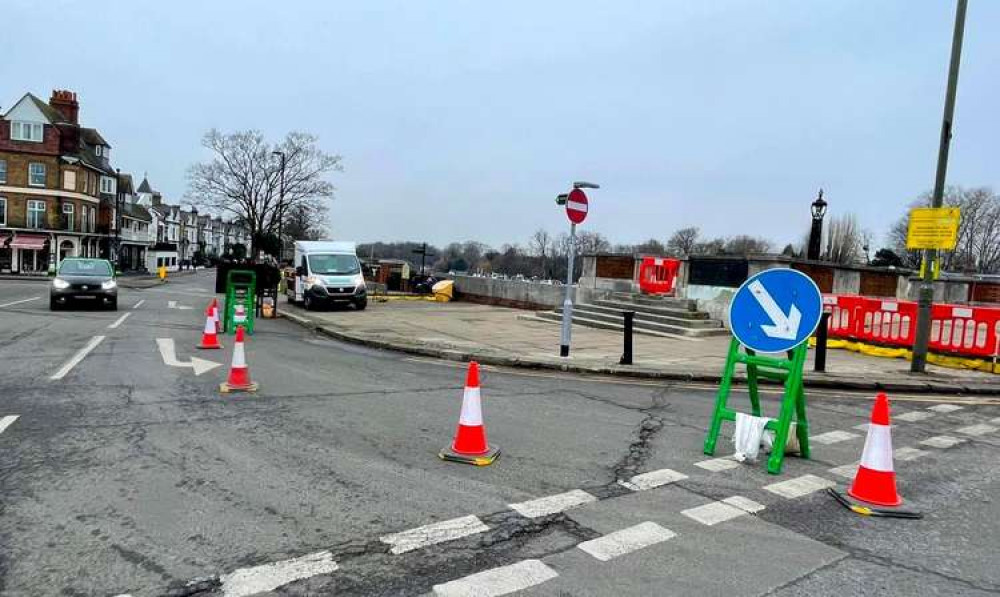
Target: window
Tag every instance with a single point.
(36, 175)
(99, 150)
(3, 171)
(26, 131)
(36, 214)
(69, 180)
(68, 213)
(3, 211)
(107, 185)
(93, 219)
(91, 183)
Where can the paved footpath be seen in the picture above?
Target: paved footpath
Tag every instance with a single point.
(464, 331)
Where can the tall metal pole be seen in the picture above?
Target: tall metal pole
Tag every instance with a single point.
(281, 212)
(923, 331)
(567, 314)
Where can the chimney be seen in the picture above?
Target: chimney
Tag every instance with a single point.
(65, 103)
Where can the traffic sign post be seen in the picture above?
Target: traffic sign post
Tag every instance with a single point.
(577, 205)
(774, 311)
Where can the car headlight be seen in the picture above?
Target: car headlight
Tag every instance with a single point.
(60, 284)
(108, 285)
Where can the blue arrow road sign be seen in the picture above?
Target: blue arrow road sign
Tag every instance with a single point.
(775, 310)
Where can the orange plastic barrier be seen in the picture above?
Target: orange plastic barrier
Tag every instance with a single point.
(658, 275)
(965, 330)
(889, 322)
(845, 313)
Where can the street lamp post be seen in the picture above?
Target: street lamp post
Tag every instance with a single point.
(926, 296)
(818, 209)
(119, 205)
(281, 206)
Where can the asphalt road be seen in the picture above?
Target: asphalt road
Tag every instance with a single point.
(123, 475)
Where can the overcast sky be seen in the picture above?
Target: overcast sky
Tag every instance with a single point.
(462, 120)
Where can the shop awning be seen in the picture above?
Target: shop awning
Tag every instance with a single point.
(29, 241)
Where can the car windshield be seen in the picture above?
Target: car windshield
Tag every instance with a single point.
(85, 267)
(334, 265)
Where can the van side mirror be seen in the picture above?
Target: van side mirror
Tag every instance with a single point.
(300, 271)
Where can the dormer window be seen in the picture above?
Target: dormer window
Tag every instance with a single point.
(102, 151)
(26, 131)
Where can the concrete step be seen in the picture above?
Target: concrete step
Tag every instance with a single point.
(656, 300)
(556, 318)
(651, 309)
(615, 313)
(615, 323)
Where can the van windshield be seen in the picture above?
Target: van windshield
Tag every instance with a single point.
(334, 265)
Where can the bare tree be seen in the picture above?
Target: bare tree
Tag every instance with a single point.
(683, 241)
(243, 178)
(745, 245)
(541, 245)
(843, 239)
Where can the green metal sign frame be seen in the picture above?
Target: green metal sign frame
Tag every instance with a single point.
(793, 403)
(241, 288)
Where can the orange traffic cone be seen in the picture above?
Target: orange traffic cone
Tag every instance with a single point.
(210, 337)
(215, 314)
(239, 373)
(875, 481)
(470, 445)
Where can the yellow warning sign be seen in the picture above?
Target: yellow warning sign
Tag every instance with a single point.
(933, 228)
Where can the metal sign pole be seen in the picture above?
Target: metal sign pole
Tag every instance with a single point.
(567, 314)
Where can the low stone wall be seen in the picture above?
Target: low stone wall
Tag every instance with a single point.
(517, 294)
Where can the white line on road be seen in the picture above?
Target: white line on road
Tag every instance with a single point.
(717, 464)
(7, 422)
(553, 503)
(139, 304)
(432, 534)
(652, 479)
(914, 416)
(908, 453)
(833, 437)
(847, 470)
(713, 513)
(625, 541)
(118, 321)
(11, 304)
(980, 429)
(745, 504)
(498, 581)
(942, 441)
(79, 356)
(799, 486)
(945, 408)
(250, 581)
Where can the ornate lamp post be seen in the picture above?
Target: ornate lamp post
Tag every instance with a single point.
(818, 209)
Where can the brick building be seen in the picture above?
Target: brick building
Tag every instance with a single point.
(57, 186)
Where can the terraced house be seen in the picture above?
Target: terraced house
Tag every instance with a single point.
(57, 186)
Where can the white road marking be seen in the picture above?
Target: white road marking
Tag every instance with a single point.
(995, 420)
(250, 581)
(799, 486)
(652, 479)
(745, 504)
(908, 453)
(833, 437)
(862, 426)
(7, 421)
(945, 408)
(914, 416)
(75, 360)
(432, 534)
(625, 541)
(139, 304)
(942, 441)
(553, 503)
(118, 321)
(174, 305)
(980, 429)
(848, 471)
(498, 581)
(166, 346)
(717, 464)
(713, 513)
(11, 304)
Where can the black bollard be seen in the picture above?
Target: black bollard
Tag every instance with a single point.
(627, 353)
(821, 329)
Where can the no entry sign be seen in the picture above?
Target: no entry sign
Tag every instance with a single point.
(576, 206)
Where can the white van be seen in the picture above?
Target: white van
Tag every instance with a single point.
(326, 273)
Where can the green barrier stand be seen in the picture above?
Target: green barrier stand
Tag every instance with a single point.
(793, 403)
(241, 289)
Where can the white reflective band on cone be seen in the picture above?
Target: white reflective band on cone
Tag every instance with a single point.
(239, 361)
(209, 325)
(472, 408)
(878, 449)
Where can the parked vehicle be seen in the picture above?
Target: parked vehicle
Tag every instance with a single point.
(84, 280)
(326, 273)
